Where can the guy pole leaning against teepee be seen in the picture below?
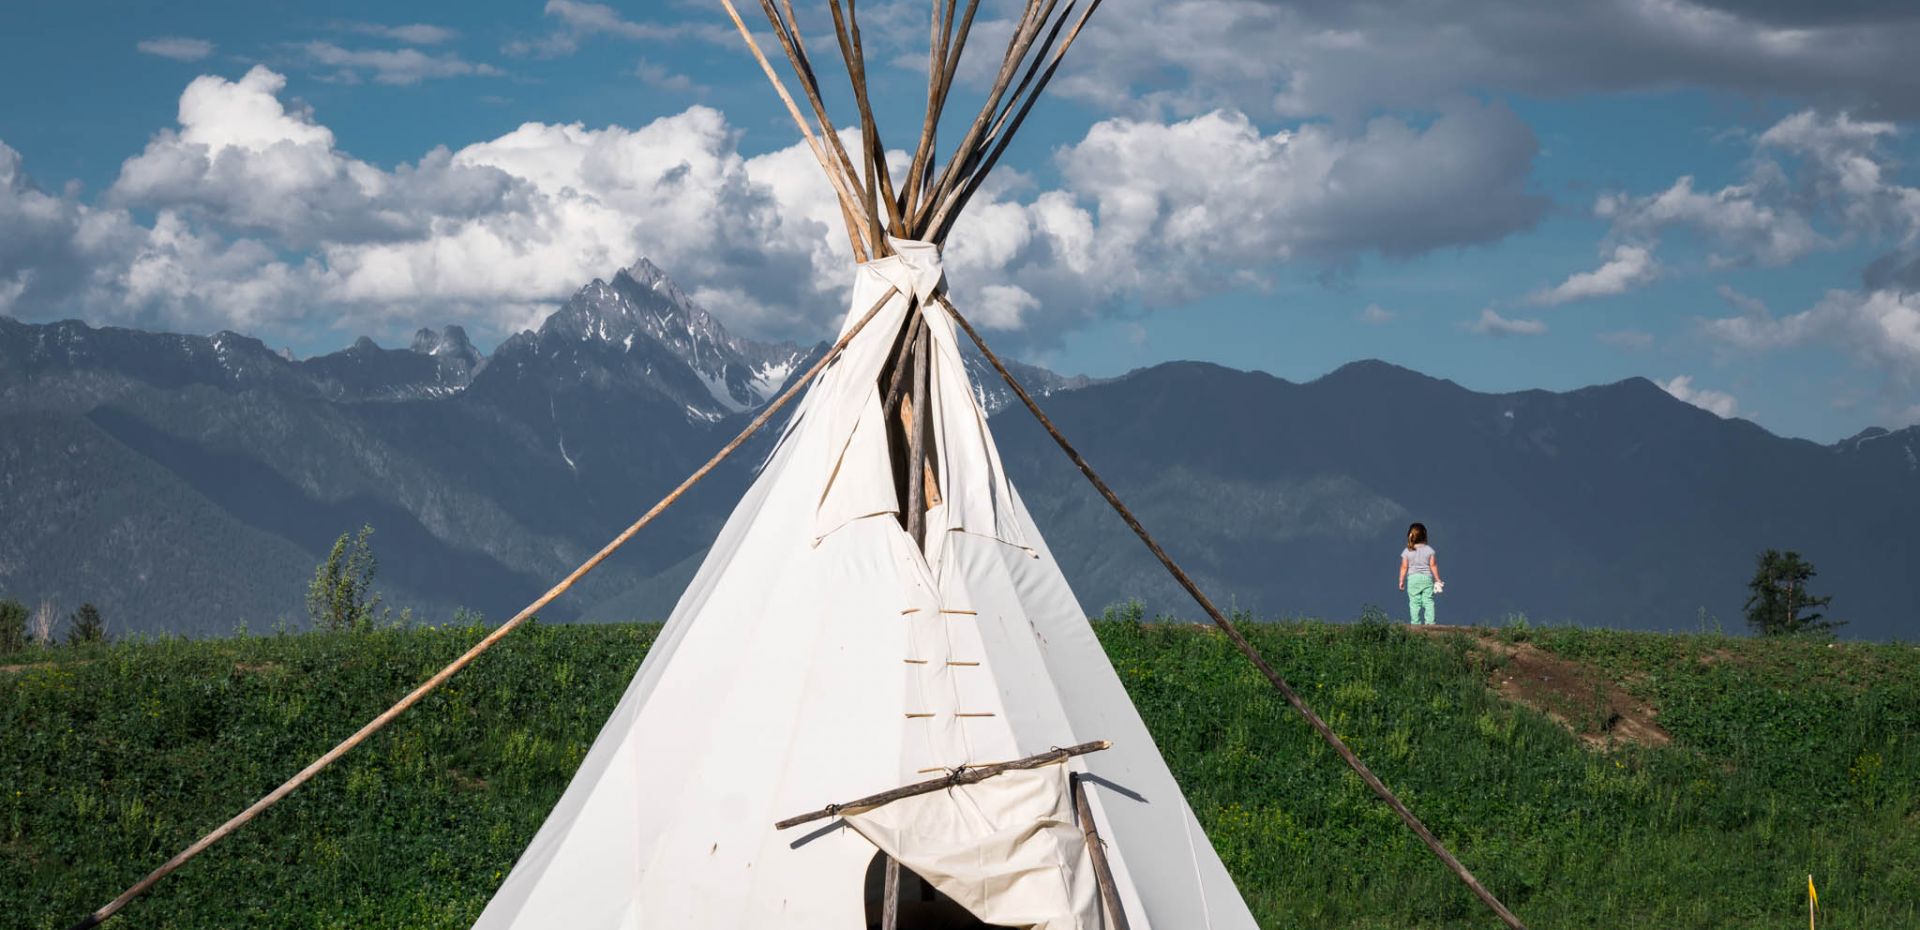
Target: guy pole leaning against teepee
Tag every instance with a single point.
(905, 552)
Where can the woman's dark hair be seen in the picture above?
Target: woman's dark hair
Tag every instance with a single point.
(1416, 534)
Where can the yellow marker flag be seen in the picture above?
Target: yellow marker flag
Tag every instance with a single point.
(1813, 901)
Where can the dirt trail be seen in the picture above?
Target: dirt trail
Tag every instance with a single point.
(1593, 707)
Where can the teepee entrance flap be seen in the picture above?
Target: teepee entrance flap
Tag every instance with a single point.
(1007, 848)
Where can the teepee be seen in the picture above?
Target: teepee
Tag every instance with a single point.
(823, 653)
(878, 704)
(878, 611)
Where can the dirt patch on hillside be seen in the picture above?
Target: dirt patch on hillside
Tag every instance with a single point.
(1593, 707)
(466, 781)
(30, 666)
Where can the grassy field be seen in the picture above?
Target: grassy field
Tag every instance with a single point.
(1757, 762)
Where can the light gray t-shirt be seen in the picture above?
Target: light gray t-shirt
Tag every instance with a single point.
(1419, 559)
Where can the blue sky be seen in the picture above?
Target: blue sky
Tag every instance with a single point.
(1715, 195)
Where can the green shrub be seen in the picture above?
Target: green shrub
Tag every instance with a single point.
(13, 626)
(86, 626)
(341, 595)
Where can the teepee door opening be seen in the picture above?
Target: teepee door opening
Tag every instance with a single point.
(918, 905)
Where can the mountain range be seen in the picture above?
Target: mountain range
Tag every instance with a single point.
(191, 483)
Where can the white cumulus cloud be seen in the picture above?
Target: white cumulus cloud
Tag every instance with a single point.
(1817, 181)
(1719, 403)
(1880, 328)
(259, 217)
(1491, 323)
(1629, 267)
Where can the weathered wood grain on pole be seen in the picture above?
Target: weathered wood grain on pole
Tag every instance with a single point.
(1038, 59)
(917, 444)
(413, 697)
(857, 230)
(936, 70)
(940, 86)
(1239, 641)
(890, 902)
(1097, 851)
(787, 30)
(846, 29)
(1017, 46)
(939, 225)
(902, 367)
(966, 776)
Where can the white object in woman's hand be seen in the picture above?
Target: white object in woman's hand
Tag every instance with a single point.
(1439, 587)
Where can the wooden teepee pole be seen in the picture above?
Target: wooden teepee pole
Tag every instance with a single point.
(967, 775)
(890, 900)
(787, 29)
(413, 697)
(1017, 46)
(1097, 852)
(917, 443)
(1240, 641)
(846, 27)
(850, 202)
(942, 221)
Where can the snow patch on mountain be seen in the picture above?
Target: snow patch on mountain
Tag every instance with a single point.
(641, 311)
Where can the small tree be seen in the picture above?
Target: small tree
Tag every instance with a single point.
(86, 626)
(13, 626)
(1780, 603)
(341, 596)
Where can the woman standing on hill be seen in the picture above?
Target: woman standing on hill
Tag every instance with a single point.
(1419, 574)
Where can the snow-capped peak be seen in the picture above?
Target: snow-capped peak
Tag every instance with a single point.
(641, 309)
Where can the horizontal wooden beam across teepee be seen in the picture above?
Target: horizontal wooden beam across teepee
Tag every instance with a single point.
(972, 774)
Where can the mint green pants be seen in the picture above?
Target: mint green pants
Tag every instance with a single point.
(1420, 595)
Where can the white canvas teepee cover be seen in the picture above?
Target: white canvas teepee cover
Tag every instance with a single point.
(820, 656)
